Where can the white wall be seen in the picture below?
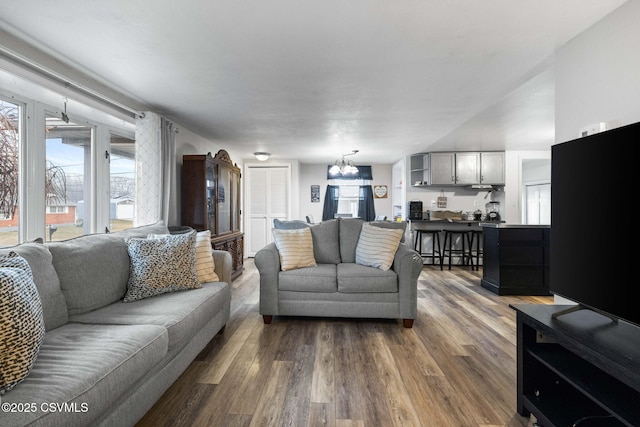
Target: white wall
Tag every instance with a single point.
(598, 74)
(512, 209)
(316, 174)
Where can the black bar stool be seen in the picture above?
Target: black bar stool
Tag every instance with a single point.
(436, 250)
(448, 250)
(475, 248)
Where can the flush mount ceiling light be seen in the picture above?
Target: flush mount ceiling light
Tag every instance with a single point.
(343, 166)
(261, 155)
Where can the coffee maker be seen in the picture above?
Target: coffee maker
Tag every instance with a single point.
(415, 209)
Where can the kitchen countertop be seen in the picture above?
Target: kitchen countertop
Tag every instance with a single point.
(454, 221)
(504, 225)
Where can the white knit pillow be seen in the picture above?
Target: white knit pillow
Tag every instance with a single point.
(205, 265)
(377, 246)
(295, 248)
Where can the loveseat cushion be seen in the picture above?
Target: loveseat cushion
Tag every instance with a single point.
(349, 234)
(377, 246)
(87, 367)
(321, 278)
(54, 306)
(356, 278)
(182, 313)
(326, 235)
(93, 270)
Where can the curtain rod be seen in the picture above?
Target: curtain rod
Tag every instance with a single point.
(65, 82)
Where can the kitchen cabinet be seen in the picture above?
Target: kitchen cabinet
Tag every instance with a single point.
(492, 167)
(462, 168)
(515, 259)
(211, 201)
(419, 172)
(443, 168)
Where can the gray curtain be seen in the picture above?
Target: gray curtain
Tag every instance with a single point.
(366, 208)
(330, 202)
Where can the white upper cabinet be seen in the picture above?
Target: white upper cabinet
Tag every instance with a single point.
(467, 168)
(443, 168)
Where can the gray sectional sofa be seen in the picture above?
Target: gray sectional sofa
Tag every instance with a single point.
(338, 286)
(104, 362)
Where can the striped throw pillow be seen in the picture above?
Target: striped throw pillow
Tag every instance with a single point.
(205, 266)
(377, 246)
(295, 248)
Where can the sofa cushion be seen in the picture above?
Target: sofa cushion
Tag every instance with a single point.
(183, 314)
(143, 230)
(356, 278)
(21, 318)
(93, 270)
(293, 224)
(161, 264)
(295, 248)
(350, 229)
(321, 278)
(88, 367)
(326, 241)
(377, 246)
(54, 306)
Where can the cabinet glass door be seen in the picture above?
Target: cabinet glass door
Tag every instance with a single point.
(224, 200)
(211, 198)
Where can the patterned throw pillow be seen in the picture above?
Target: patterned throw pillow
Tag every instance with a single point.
(377, 246)
(295, 248)
(205, 265)
(161, 265)
(21, 321)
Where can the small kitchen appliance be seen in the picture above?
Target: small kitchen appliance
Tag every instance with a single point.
(415, 209)
(493, 211)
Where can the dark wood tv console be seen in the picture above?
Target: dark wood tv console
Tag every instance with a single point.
(579, 366)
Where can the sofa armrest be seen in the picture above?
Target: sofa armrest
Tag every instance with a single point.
(267, 261)
(223, 264)
(407, 264)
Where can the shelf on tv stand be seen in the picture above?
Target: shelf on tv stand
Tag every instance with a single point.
(582, 364)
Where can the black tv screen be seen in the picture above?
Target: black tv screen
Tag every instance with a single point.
(593, 241)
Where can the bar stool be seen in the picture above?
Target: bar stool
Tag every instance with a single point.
(448, 248)
(475, 248)
(436, 250)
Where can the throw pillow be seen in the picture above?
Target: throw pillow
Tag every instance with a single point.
(161, 265)
(22, 321)
(295, 248)
(377, 246)
(205, 265)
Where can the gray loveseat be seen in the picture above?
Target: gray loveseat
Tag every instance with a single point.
(104, 362)
(337, 286)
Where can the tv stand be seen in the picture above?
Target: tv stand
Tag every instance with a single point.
(583, 370)
(577, 307)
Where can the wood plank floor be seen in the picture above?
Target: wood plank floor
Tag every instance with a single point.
(455, 367)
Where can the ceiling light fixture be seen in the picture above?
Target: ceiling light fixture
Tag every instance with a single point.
(343, 166)
(262, 156)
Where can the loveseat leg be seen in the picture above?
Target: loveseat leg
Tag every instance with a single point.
(267, 318)
(408, 323)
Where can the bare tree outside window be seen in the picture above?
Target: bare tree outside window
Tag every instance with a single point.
(9, 159)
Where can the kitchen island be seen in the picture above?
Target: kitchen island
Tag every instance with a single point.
(516, 259)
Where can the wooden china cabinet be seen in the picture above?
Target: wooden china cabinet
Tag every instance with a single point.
(211, 200)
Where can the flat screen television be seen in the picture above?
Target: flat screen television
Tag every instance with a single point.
(593, 242)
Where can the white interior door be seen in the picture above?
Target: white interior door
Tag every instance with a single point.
(267, 198)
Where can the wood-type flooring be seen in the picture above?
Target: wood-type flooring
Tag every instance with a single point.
(455, 367)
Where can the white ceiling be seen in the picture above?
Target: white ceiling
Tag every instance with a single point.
(311, 79)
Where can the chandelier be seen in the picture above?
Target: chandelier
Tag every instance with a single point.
(343, 166)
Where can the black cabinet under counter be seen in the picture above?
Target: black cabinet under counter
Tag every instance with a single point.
(515, 258)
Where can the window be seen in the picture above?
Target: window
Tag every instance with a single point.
(122, 183)
(67, 178)
(10, 119)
